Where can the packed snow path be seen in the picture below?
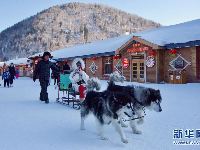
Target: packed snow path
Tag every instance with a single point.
(29, 124)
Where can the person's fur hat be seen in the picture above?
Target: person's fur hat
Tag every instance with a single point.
(46, 53)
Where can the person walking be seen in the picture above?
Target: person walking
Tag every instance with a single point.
(6, 77)
(56, 74)
(43, 69)
(12, 74)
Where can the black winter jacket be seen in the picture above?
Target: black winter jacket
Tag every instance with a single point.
(12, 71)
(43, 69)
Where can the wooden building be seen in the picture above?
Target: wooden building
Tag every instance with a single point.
(168, 54)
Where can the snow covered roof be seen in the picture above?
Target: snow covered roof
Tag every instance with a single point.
(188, 34)
(36, 55)
(179, 33)
(98, 48)
(1, 64)
(18, 61)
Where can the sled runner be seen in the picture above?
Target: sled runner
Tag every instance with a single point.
(65, 85)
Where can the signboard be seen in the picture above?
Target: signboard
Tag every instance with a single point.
(125, 62)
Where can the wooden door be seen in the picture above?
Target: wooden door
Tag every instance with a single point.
(138, 70)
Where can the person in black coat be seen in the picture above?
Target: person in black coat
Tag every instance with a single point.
(43, 69)
(56, 74)
(12, 73)
(66, 68)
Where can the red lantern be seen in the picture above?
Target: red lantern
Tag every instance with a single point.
(26, 66)
(28, 60)
(173, 52)
(152, 53)
(39, 59)
(119, 56)
(115, 57)
(146, 48)
(66, 61)
(133, 50)
(94, 58)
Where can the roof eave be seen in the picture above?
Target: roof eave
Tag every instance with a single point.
(136, 38)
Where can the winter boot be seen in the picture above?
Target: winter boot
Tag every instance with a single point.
(47, 101)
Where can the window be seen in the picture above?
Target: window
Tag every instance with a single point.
(107, 65)
(198, 61)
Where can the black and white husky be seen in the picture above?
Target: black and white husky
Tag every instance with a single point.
(107, 107)
(142, 97)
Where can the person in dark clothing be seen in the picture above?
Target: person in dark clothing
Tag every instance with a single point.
(43, 69)
(66, 68)
(56, 74)
(6, 77)
(12, 73)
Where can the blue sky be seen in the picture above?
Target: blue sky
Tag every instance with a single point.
(166, 12)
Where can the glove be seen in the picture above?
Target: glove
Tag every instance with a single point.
(34, 78)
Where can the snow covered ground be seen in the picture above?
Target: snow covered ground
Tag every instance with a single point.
(29, 124)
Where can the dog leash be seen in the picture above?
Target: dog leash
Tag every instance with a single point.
(143, 108)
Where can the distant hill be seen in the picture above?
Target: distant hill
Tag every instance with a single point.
(68, 25)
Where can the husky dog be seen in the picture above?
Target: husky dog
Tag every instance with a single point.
(107, 107)
(93, 83)
(142, 97)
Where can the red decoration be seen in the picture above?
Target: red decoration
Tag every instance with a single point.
(39, 59)
(129, 50)
(115, 57)
(146, 48)
(137, 44)
(16, 66)
(125, 62)
(173, 52)
(94, 58)
(66, 61)
(152, 53)
(26, 66)
(119, 56)
(28, 60)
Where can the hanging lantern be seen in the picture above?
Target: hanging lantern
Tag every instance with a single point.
(115, 57)
(173, 52)
(26, 66)
(119, 56)
(133, 50)
(152, 53)
(66, 61)
(39, 59)
(146, 48)
(28, 60)
(94, 58)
